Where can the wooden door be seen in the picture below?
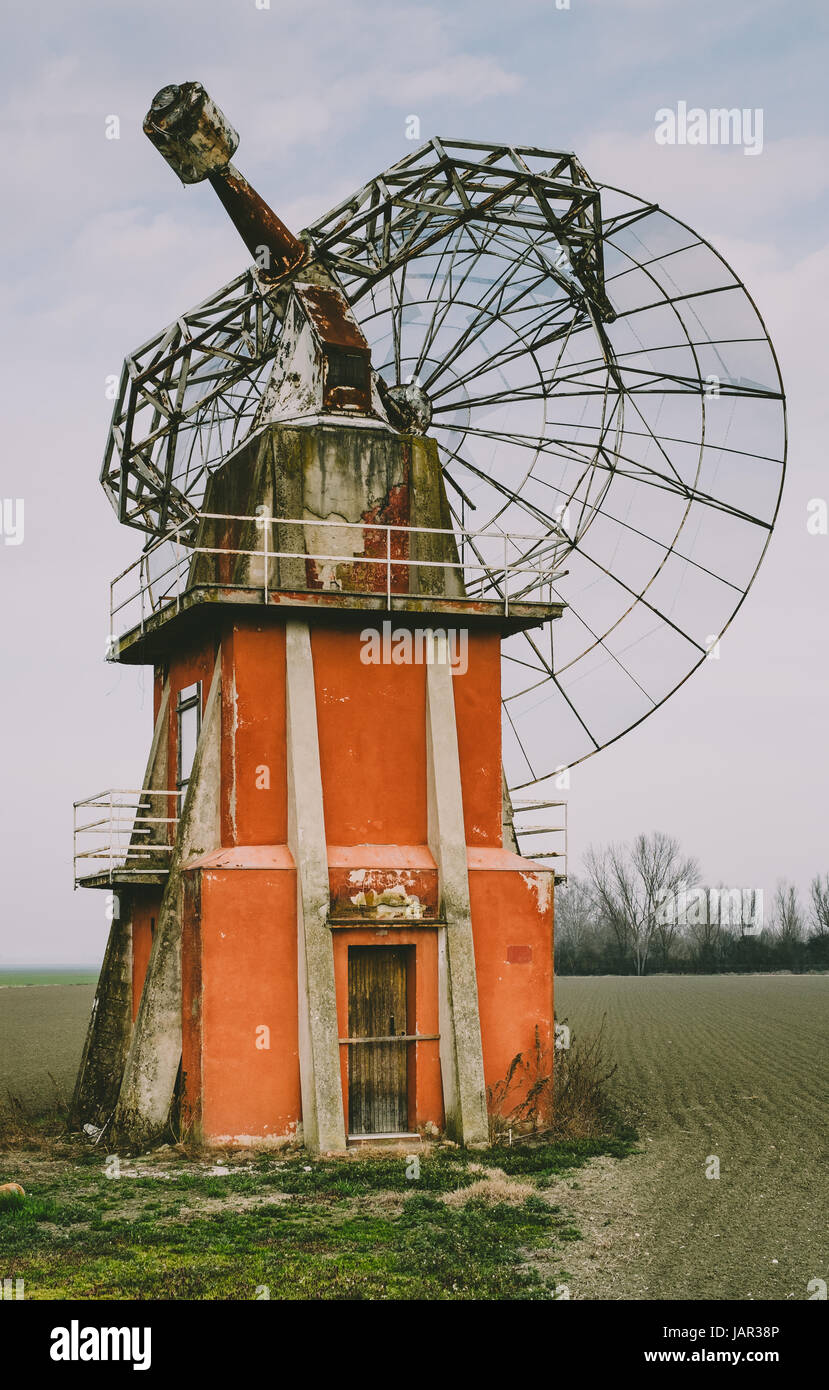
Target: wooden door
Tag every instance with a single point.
(377, 1083)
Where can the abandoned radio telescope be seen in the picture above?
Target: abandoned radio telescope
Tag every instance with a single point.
(591, 369)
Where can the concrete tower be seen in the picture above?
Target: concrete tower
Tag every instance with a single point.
(321, 932)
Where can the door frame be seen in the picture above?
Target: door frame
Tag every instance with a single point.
(408, 953)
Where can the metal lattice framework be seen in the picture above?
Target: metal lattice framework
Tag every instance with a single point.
(596, 373)
(185, 399)
(447, 185)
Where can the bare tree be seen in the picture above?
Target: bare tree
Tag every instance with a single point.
(601, 878)
(706, 931)
(786, 914)
(630, 886)
(575, 918)
(819, 905)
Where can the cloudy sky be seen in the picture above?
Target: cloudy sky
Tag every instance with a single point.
(102, 247)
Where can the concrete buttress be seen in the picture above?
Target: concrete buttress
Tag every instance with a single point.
(152, 1065)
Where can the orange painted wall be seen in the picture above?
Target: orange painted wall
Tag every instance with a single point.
(241, 973)
(478, 717)
(187, 667)
(191, 1003)
(253, 736)
(425, 1091)
(512, 926)
(373, 742)
(372, 733)
(362, 774)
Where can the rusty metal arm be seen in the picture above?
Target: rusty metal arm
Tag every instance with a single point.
(197, 141)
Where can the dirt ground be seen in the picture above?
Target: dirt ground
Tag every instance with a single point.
(727, 1068)
(42, 1032)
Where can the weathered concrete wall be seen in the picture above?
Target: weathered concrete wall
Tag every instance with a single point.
(144, 917)
(153, 1061)
(367, 477)
(429, 507)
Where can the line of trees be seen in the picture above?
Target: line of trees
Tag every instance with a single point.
(642, 908)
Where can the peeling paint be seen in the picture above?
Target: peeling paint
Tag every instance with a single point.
(541, 883)
(397, 899)
(322, 363)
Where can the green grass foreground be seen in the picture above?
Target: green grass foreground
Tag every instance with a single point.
(351, 1228)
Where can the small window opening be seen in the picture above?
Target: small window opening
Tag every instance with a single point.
(347, 369)
(188, 715)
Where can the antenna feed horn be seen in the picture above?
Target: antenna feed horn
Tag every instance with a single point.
(190, 131)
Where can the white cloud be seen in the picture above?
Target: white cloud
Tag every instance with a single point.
(716, 185)
(465, 78)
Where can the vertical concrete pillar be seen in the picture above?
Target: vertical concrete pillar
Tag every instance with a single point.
(323, 1122)
(108, 1034)
(152, 1064)
(461, 1051)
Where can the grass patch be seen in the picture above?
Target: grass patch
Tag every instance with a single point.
(304, 1251)
(351, 1228)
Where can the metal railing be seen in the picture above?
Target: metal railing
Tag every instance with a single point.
(123, 831)
(492, 565)
(555, 830)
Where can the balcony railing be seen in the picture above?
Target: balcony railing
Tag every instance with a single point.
(359, 559)
(545, 840)
(120, 833)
